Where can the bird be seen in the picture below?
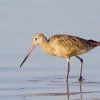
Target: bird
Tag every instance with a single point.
(64, 46)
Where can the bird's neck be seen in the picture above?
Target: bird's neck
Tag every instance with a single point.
(45, 45)
(43, 42)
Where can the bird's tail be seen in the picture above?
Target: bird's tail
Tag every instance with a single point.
(98, 43)
(94, 43)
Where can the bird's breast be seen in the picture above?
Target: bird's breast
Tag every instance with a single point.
(48, 49)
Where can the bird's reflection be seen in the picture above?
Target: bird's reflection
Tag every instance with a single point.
(69, 93)
(81, 97)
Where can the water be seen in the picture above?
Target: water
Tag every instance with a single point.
(42, 77)
(36, 84)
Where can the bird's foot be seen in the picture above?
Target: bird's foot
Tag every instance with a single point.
(81, 79)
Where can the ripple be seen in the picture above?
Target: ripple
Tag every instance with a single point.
(60, 94)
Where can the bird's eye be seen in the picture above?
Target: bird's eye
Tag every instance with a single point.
(35, 38)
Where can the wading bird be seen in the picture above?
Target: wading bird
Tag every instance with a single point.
(65, 46)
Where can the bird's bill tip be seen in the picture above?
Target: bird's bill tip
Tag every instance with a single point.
(30, 51)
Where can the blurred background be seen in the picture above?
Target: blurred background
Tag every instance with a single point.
(20, 20)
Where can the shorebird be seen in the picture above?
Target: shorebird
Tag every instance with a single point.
(65, 46)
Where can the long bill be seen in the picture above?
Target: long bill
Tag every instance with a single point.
(30, 51)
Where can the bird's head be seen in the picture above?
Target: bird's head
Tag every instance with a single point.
(37, 39)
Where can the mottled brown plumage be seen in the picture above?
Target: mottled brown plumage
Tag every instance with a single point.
(67, 45)
(64, 46)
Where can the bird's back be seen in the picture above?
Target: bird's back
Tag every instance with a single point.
(71, 45)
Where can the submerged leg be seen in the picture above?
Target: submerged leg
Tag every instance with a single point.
(81, 60)
(68, 60)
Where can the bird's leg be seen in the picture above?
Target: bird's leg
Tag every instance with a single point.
(81, 60)
(68, 60)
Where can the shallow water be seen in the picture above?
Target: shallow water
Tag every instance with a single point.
(28, 84)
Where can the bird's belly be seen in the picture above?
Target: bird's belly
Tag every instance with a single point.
(65, 53)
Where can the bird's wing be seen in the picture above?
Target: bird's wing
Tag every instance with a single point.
(67, 41)
(70, 45)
